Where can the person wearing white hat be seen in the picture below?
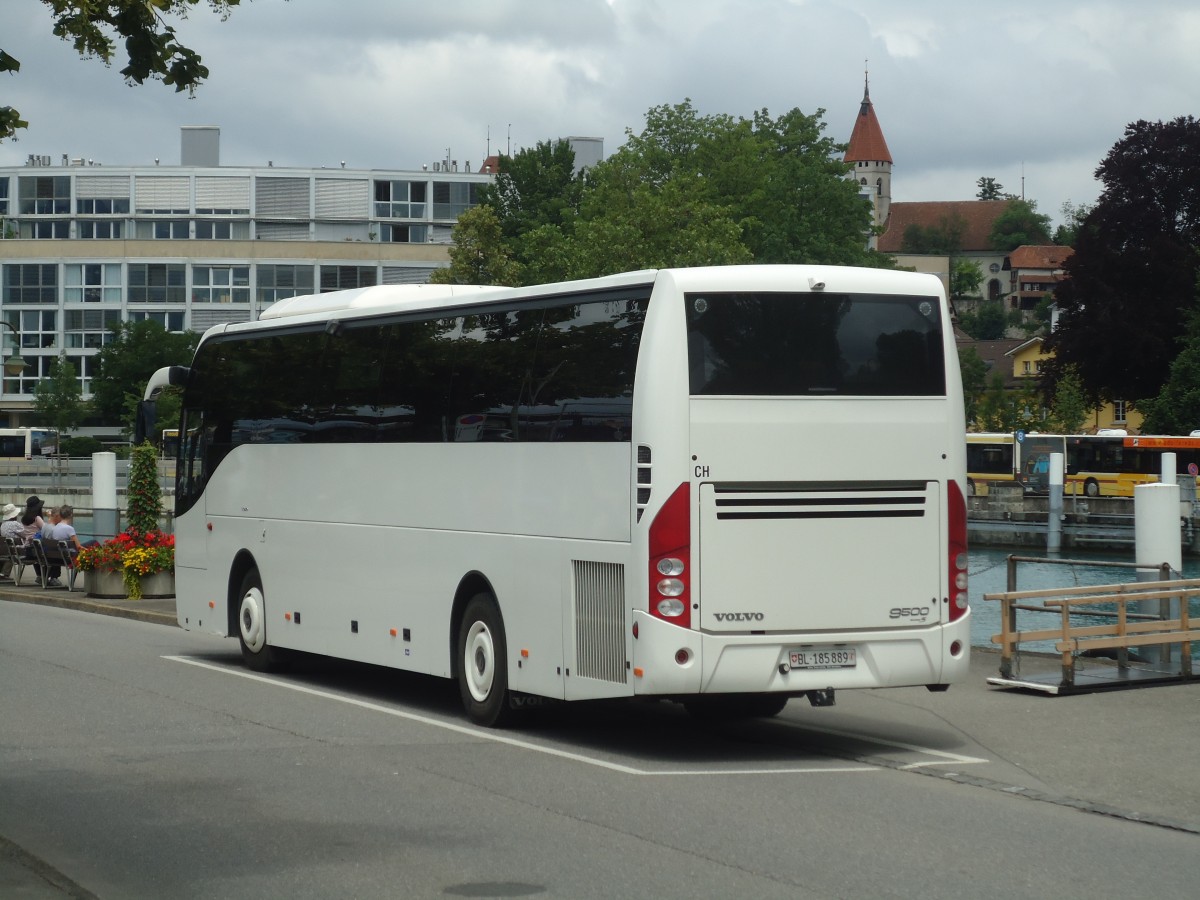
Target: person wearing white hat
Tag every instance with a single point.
(10, 527)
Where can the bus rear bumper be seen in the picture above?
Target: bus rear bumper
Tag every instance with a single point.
(674, 661)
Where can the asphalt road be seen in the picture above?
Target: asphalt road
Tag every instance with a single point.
(138, 760)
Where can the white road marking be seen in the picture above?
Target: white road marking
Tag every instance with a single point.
(499, 738)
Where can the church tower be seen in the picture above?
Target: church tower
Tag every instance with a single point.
(868, 153)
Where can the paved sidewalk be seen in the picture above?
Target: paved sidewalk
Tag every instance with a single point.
(29, 591)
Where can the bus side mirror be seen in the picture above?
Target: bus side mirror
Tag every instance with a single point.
(143, 427)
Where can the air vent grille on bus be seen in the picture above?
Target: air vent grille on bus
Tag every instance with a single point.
(822, 500)
(645, 478)
(599, 620)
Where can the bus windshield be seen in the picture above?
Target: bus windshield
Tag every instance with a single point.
(792, 344)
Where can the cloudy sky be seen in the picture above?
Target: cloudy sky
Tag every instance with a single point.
(1033, 94)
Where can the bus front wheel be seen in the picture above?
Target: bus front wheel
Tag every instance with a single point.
(1091, 487)
(252, 626)
(483, 663)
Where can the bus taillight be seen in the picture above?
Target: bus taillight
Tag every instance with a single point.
(670, 560)
(957, 518)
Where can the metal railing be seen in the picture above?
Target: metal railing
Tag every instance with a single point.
(1126, 629)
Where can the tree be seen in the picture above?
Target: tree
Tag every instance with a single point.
(686, 190)
(965, 278)
(480, 254)
(1176, 409)
(59, 398)
(1074, 215)
(987, 323)
(974, 381)
(1132, 277)
(137, 350)
(989, 189)
(1070, 408)
(1020, 223)
(153, 51)
(944, 239)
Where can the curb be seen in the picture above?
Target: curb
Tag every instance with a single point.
(94, 606)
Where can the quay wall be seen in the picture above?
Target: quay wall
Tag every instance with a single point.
(1007, 517)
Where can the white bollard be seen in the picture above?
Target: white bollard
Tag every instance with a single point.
(1157, 540)
(1054, 516)
(1168, 469)
(105, 515)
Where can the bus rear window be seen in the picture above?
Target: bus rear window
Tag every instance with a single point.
(805, 344)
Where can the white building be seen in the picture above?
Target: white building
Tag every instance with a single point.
(83, 245)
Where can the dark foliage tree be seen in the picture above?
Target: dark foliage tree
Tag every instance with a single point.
(1176, 409)
(1132, 277)
(125, 364)
(986, 323)
(1019, 224)
(989, 189)
(944, 238)
(153, 51)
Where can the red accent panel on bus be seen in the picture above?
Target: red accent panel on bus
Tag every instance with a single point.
(957, 556)
(670, 538)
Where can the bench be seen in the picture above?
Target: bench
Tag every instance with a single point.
(47, 553)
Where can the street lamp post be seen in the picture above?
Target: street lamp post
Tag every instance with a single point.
(14, 365)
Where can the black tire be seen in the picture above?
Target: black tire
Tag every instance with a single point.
(483, 663)
(1091, 487)
(970, 487)
(252, 626)
(729, 707)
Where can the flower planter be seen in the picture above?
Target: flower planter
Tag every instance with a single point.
(111, 586)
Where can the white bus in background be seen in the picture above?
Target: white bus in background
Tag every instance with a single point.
(769, 502)
(27, 443)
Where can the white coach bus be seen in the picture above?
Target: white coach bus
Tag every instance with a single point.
(726, 486)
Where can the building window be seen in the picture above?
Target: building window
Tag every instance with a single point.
(1119, 412)
(45, 195)
(51, 229)
(171, 321)
(453, 198)
(39, 328)
(403, 234)
(400, 199)
(340, 278)
(3, 198)
(161, 230)
(222, 231)
(37, 368)
(103, 230)
(1025, 367)
(92, 283)
(993, 288)
(220, 284)
(157, 283)
(31, 283)
(84, 369)
(111, 206)
(89, 328)
(280, 282)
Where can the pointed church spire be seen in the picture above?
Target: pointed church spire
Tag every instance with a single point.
(866, 140)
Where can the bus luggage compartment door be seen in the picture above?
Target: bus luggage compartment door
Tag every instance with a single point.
(819, 556)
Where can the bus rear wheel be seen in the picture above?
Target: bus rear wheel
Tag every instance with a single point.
(1091, 487)
(257, 654)
(483, 663)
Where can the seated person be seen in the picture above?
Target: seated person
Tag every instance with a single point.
(62, 529)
